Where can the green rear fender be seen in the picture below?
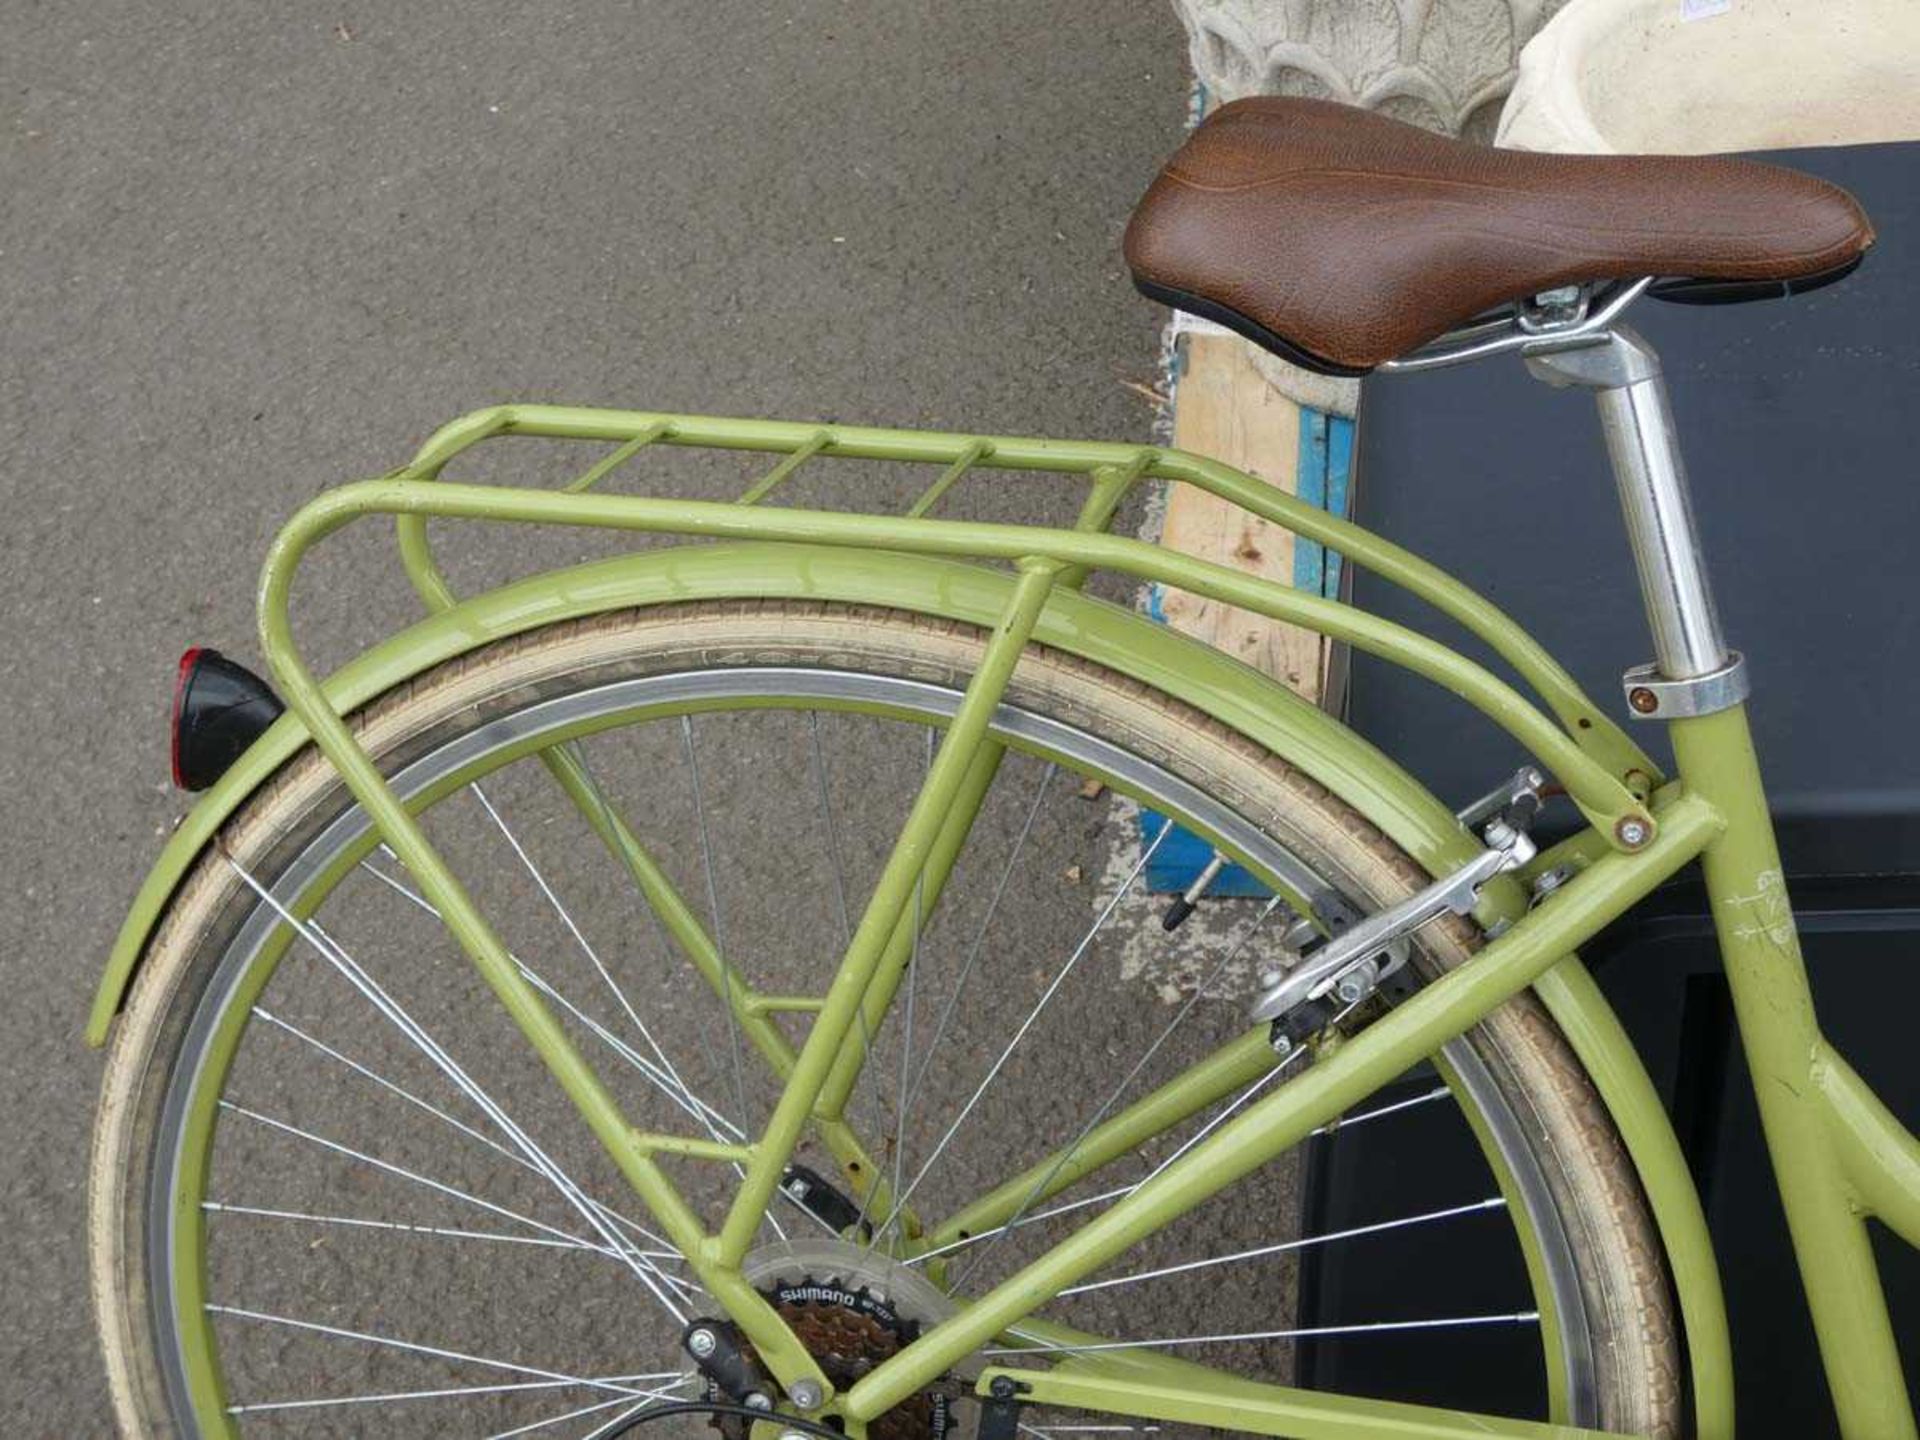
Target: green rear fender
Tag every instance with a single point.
(1225, 689)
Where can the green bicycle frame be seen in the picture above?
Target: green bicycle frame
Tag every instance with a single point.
(1841, 1157)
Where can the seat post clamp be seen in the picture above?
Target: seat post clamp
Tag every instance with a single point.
(1652, 696)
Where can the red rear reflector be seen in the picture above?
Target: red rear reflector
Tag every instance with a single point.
(219, 708)
(188, 660)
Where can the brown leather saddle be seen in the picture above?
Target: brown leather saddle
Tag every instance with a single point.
(1341, 239)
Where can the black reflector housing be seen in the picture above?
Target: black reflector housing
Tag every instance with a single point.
(219, 708)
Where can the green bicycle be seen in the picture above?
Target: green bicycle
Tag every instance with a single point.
(701, 983)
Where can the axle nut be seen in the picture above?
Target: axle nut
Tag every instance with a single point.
(702, 1343)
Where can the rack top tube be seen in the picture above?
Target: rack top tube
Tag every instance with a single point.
(1587, 734)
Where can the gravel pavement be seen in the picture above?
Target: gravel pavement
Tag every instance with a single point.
(249, 251)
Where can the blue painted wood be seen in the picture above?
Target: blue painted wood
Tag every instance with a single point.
(1325, 479)
(1182, 856)
(1339, 499)
(1310, 484)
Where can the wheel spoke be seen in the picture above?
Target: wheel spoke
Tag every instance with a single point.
(702, 1112)
(389, 1009)
(1039, 1188)
(619, 838)
(1347, 1122)
(613, 1425)
(980, 934)
(673, 1083)
(443, 1231)
(1284, 1246)
(512, 1156)
(451, 1392)
(1225, 1113)
(767, 1217)
(713, 905)
(1034, 1219)
(414, 1347)
(598, 1407)
(1240, 1100)
(672, 1076)
(1304, 1332)
(1120, 1192)
(391, 1086)
(1053, 987)
(904, 1092)
(832, 826)
(877, 1120)
(401, 1172)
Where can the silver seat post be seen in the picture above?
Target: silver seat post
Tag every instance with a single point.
(1694, 673)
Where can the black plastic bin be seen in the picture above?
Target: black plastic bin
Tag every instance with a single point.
(1800, 422)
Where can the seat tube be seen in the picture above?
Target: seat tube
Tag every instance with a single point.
(1699, 685)
(1623, 371)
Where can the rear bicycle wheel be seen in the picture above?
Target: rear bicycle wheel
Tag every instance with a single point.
(333, 1188)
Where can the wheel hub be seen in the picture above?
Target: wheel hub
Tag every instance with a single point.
(852, 1308)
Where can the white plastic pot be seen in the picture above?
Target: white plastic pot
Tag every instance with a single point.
(1690, 76)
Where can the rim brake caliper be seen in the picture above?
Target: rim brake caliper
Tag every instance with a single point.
(1351, 965)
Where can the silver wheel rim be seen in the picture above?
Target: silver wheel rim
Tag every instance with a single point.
(631, 700)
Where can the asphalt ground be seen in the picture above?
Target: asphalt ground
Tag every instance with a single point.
(248, 252)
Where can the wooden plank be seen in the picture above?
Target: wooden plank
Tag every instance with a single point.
(1225, 409)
